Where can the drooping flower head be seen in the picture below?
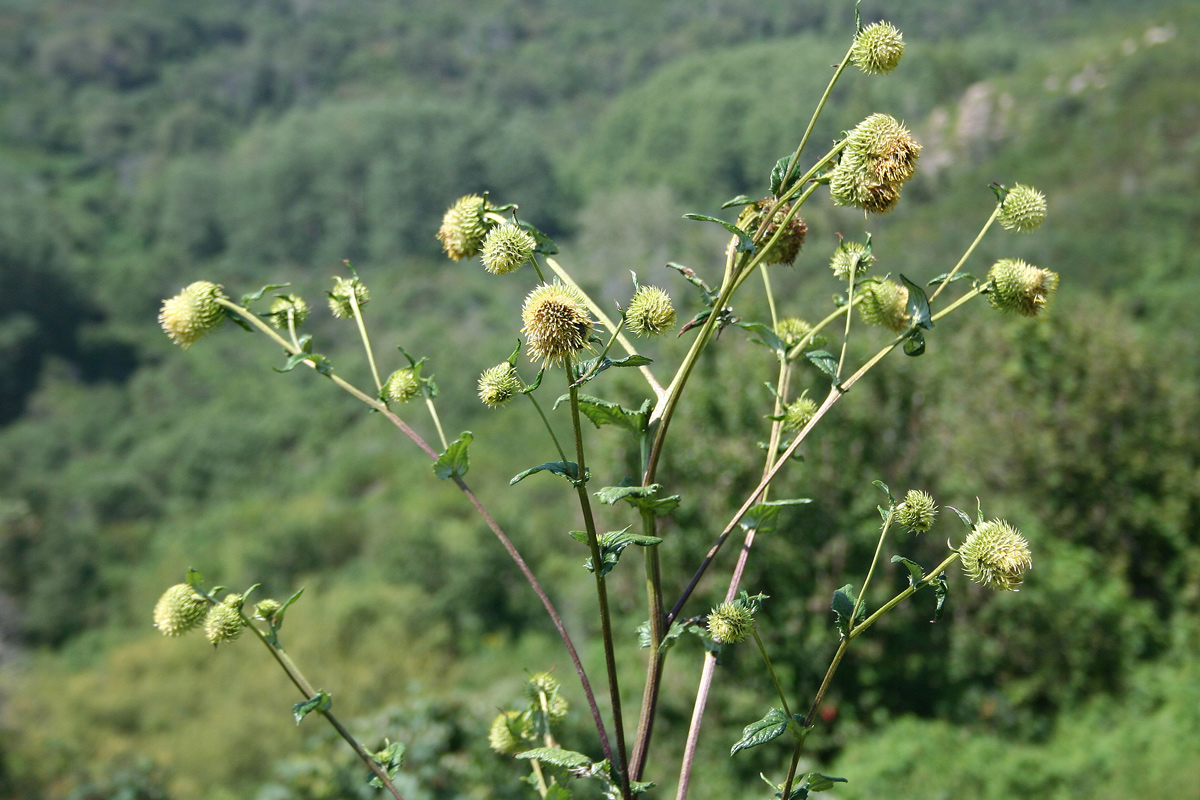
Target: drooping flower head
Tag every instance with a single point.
(877, 49)
(464, 227)
(996, 555)
(556, 323)
(885, 304)
(499, 384)
(339, 297)
(179, 610)
(1021, 288)
(786, 249)
(506, 248)
(1023, 209)
(917, 512)
(192, 314)
(851, 256)
(225, 622)
(650, 312)
(285, 307)
(793, 330)
(401, 386)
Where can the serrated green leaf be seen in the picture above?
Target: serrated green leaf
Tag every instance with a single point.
(940, 279)
(283, 608)
(918, 305)
(761, 731)
(691, 277)
(762, 517)
(766, 336)
(612, 544)
(915, 570)
(567, 469)
(555, 792)
(645, 497)
(454, 462)
(844, 600)
(247, 299)
(390, 759)
(320, 362)
(777, 173)
(824, 361)
(586, 371)
(816, 782)
(555, 756)
(941, 590)
(965, 519)
(740, 200)
(745, 243)
(603, 412)
(639, 787)
(883, 487)
(321, 701)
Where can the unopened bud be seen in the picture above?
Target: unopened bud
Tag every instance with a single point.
(506, 248)
(650, 312)
(1021, 288)
(730, 623)
(917, 512)
(996, 555)
(179, 610)
(463, 227)
(192, 314)
(401, 386)
(339, 297)
(877, 49)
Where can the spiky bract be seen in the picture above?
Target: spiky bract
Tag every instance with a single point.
(650, 312)
(464, 227)
(730, 623)
(884, 303)
(851, 256)
(996, 555)
(499, 384)
(556, 323)
(1023, 209)
(285, 307)
(879, 156)
(193, 313)
(1021, 288)
(784, 251)
(506, 248)
(877, 49)
(793, 330)
(401, 386)
(225, 622)
(266, 609)
(179, 610)
(339, 297)
(799, 413)
(917, 512)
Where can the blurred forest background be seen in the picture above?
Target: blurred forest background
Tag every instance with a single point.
(145, 144)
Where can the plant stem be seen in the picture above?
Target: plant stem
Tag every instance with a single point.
(966, 255)
(437, 422)
(362, 331)
(812, 122)
(689, 748)
(620, 767)
(654, 666)
(862, 593)
(770, 300)
(538, 406)
(771, 669)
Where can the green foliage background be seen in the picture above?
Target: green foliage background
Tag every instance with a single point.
(145, 144)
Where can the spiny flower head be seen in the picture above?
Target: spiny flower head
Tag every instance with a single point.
(556, 322)
(507, 732)
(730, 623)
(885, 303)
(224, 622)
(785, 250)
(266, 609)
(1023, 209)
(556, 705)
(799, 413)
(285, 306)
(650, 312)
(890, 150)
(401, 386)
(541, 683)
(499, 384)
(179, 610)
(193, 313)
(851, 255)
(793, 330)
(339, 297)
(917, 512)
(996, 555)
(506, 248)
(464, 227)
(1020, 287)
(877, 48)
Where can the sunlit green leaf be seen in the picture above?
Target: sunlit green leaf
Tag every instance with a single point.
(568, 759)
(453, 463)
(745, 243)
(640, 497)
(762, 517)
(915, 570)
(321, 701)
(762, 731)
(567, 469)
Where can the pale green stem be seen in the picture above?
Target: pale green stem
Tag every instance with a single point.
(538, 269)
(849, 304)
(771, 669)
(862, 593)
(603, 353)
(966, 255)
(978, 290)
(362, 331)
(812, 122)
(437, 422)
(561, 454)
(770, 300)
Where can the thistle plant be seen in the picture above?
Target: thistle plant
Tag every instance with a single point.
(570, 341)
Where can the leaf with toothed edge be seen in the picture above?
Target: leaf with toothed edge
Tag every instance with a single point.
(745, 243)
(454, 462)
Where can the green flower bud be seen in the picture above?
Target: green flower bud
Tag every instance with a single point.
(266, 609)
(786, 249)
(339, 298)
(917, 512)
(401, 386)
(179, 610)
(1020, 287)
(793, 330)
(877, 49)
(880, 155)
(851, 256)
(540, 683)
(225, 622)
(799, 413)
(506, 732)
(885, 304)
(556, 323)
(506, 248)
(193, 313)
(730, 623)
(1023, 209)
(464, 227)
(499, 384)
(287, 306)
(996, 555)
(650, 312)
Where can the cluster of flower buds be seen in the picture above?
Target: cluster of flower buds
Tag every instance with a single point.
(851, 257)
(464, 227)
(879, 157)
(181, 609)
(513, 731)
